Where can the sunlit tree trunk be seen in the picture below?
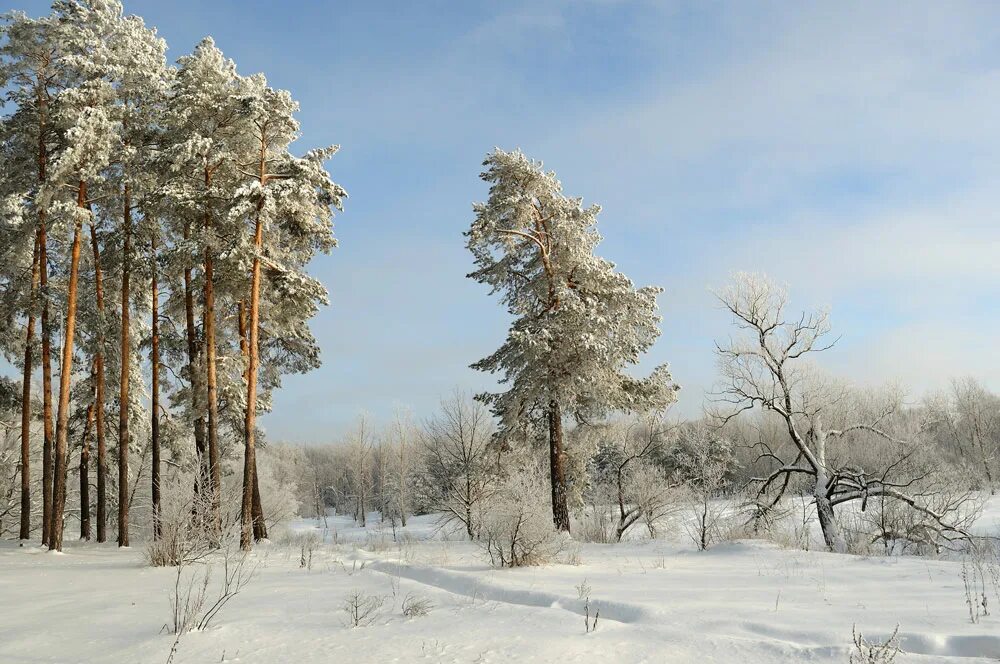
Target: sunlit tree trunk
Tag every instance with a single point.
(249, 427)
(65, 375)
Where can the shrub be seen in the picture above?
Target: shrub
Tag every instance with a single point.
(517, 527)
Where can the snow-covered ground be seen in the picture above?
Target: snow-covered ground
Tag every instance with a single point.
(659, 601)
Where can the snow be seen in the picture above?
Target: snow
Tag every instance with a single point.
(659, 601)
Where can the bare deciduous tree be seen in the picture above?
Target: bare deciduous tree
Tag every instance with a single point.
(459, 473)
(767, 367)
(359, 470)
(639, 490)
(704, 459)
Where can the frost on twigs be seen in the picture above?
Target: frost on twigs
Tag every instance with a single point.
(416, 607)
(362, 610)
(874, 652)
(517, 528)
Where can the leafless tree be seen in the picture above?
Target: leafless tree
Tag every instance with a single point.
(516, 529)
(359, 470)
(638, 488)
(705, 458)
(459, 471)
(968, 416)
(402, 436)
(767, 367)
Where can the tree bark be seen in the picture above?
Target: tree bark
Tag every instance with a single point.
(155, 397)
(259, 526)
(249, 426)
(99, 388)
(832, 536)
(65, 374)
(43, 280)
(25, 532)
(48, 434)
(202, 481)
(557, 468)
(85, 472)
(215, 473)
(124, 438)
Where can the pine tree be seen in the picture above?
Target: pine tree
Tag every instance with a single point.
(30, 69)
(578, 323)
(203, 112)
(87, 118)
(291, 198)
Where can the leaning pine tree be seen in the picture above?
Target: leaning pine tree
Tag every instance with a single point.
(578, 323)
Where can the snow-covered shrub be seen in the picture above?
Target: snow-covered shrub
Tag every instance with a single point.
(279, 492)
(183, 539)
(193, 604)
(416, 607)
(627, 487)
(362, 610)
(704, 460)
(874, 652)
(980, 575)
(517, 528)
(595, 522)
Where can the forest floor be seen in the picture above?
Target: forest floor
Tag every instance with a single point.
(659, 601)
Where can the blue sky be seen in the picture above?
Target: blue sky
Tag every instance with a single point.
(847, 149)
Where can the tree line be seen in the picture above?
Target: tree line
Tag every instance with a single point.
(156, 232)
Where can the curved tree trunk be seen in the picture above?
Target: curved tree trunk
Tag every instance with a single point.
(124, 438)
(25, 532)
(65, 375)
(154, 358)
(832, 536)
(557, 468)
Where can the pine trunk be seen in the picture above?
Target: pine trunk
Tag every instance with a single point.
(99, 388)
(560, 511)
(155, 397)
(43, 280)
(65, 375)
(124, 439)
(250, 424)
(85, 474)
(214, 471)
(259, 527)
(192, 349)
(25, 532)
(48, 435)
